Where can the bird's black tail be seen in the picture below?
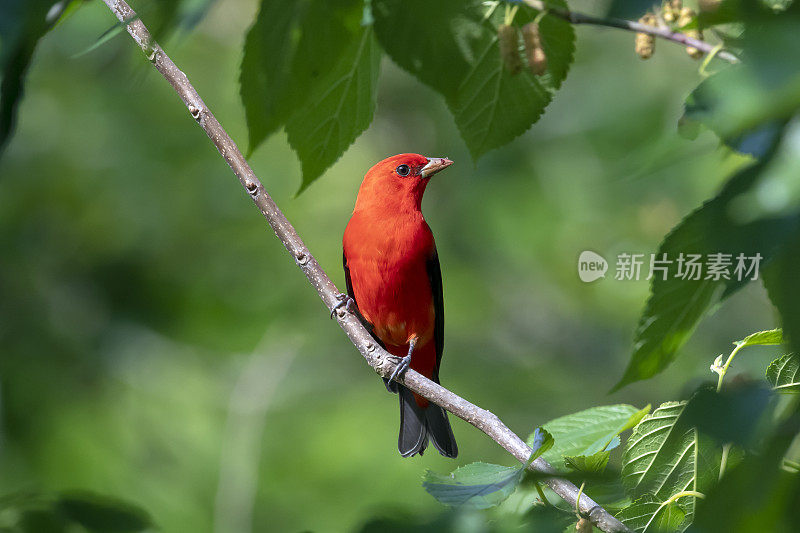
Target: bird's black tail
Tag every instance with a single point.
(418, 424)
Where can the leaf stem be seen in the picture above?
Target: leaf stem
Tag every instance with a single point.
(704, 66)
(491, 9)
(542, 496)
(724, 369)
(673, 499)
(683, 494)
(726, 449)
(511, 12)
(578, 501)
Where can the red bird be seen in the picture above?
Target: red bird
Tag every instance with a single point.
(392, 272)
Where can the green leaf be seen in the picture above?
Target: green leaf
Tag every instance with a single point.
(664, 457)
(493, 106)
(668, 452)
(676, 305)
(748, 104)
(483, 485)
(590, 431)
(167, 17)
(783, 287)
(265, 77)
(431, 40)
(474, 486)
(726, 12)
(757, 494)
(291, 50)
(762, 338)
(784, 374)
(628, 9)
(396, 519)
(734, 415)
(540, 442)
(591, 464)
(647, 514)
(38, 512)
(310, 66)
(102, 514)
(110, 33)
(22, 24)
(702, 110)
(613, 442)
(455, 51)
(42, 521)
(338, 111)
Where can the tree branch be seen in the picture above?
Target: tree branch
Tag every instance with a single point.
(378, 358)
(664, 33)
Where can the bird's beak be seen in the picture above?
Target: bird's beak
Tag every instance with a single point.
(435, 164)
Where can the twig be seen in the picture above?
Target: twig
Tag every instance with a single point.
(664, 33)
(378, 358)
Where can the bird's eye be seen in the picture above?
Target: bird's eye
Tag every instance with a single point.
(403, 170)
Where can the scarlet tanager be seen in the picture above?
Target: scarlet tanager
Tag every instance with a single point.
(392, 272)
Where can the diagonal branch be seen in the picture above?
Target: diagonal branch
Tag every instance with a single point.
(378, 358)
(574, 17)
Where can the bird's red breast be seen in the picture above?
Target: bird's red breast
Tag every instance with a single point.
(386, 256)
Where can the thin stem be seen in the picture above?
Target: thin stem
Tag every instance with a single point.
(578, 500)
(726, 449)
(790, 466)
(673, 499)
(379, 359)
(727, 364)
(683, 494)
(511, 12)
(542, 496)
(491, 9)
(707, 60)
(664, 33)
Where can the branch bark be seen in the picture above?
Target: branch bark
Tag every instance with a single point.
(378, 358)
(664, 33)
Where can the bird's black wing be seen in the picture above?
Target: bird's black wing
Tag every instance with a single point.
(348, 282)
(347, 277)
(435, 278)
(436, 423)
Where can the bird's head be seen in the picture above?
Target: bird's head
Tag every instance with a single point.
(399, 181)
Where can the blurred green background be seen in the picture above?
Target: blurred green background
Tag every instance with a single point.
(157, 343)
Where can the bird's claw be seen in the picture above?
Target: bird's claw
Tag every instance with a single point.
(344, 301)
(401, 367)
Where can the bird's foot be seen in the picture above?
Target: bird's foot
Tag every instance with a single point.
(344, 301)
(401, 367)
